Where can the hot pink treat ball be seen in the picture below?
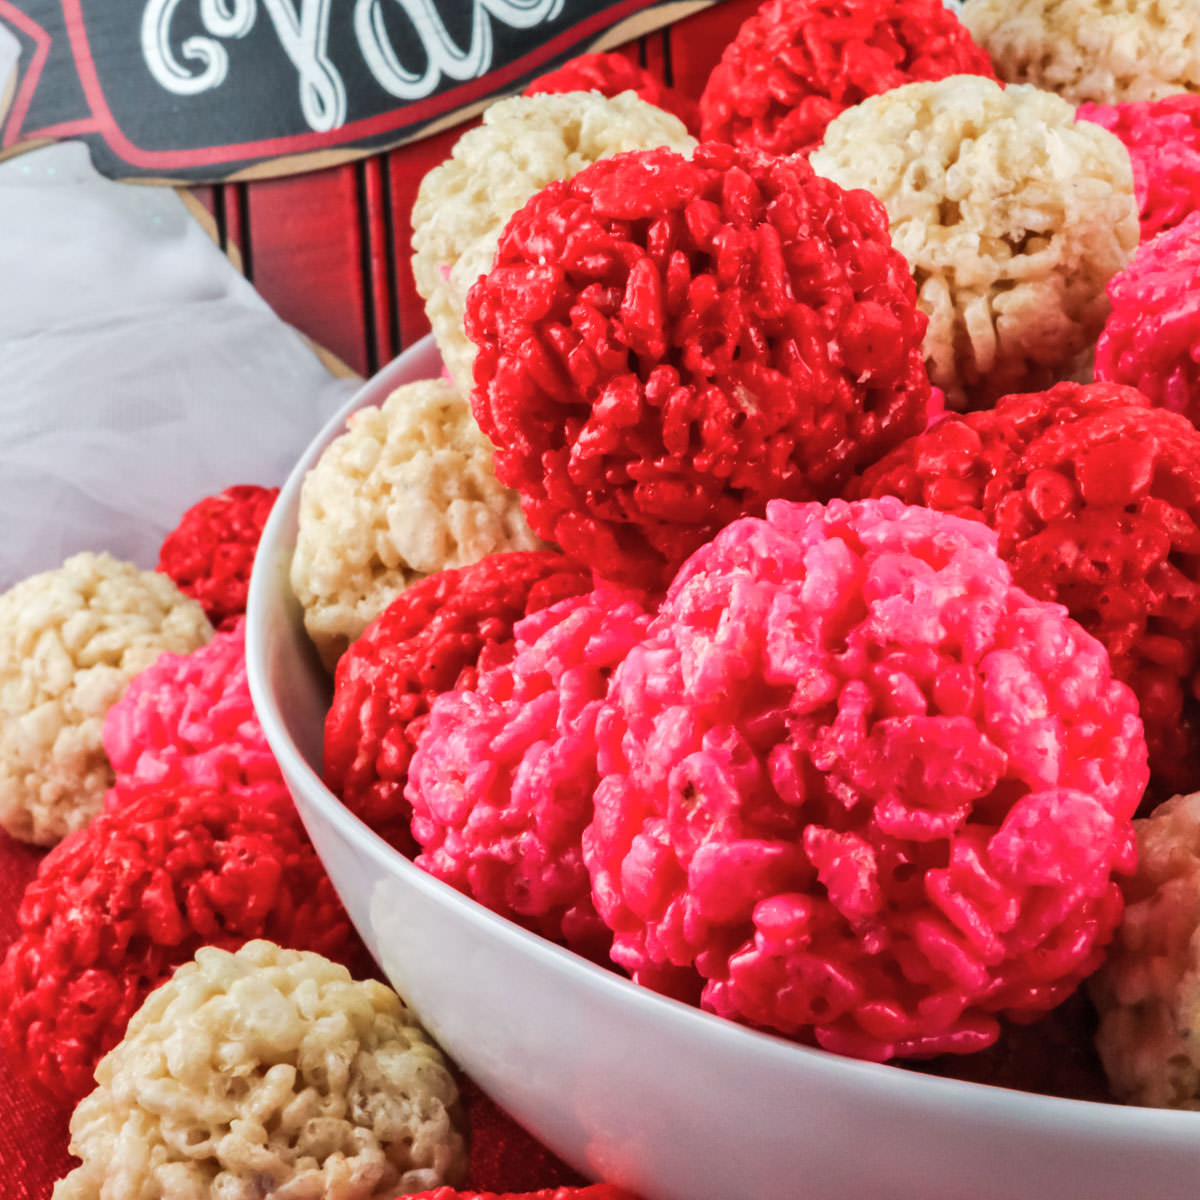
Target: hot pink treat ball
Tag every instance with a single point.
(862, 789)
(188, 719)
(501, 784)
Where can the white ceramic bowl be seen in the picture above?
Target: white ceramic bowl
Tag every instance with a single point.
(640, 1090)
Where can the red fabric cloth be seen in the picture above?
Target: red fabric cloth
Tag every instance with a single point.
(33, 1130)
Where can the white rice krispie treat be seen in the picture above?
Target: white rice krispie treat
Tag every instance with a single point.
(1101, 50)
(71, 639)
(1012, 216)
(1148, 991)
(406, 491)
(524, 143)
(268, 1072)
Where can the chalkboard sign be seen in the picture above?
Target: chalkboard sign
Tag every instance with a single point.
(204, 90)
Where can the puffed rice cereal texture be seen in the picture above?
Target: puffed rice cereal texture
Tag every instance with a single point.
(501, 783)
(611, 73)
(1151, 340)
(71, 639)
(1105, 51)
(1012, 216)
(1148, 991)
(1163, 140)
(795, 64)
(865, 789)
(406, 491)
(267, 1072)
(524, 143)
(189, 719)
(665, 344)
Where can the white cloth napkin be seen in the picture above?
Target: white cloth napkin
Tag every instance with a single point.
(139, 372)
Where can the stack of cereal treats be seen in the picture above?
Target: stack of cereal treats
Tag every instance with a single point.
(852, 410)
(788, 597)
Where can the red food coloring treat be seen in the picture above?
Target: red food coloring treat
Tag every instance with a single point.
(1163, 140)
(210, 553)
(611, 74)
(1151, 340)
(116, 907)
(869, 792)
(1095, 497)
(501, 784)
(427, 641)
(189, 719)
(796, 64)
(665, 344)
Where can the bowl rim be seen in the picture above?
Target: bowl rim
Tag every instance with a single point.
(988, 1102)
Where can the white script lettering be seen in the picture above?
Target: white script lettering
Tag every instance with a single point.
(203, 62)
(443, 57)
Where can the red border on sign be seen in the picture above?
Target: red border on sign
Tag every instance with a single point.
(12, 127)
(382, 123)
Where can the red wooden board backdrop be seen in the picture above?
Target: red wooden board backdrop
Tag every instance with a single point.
(329, 251)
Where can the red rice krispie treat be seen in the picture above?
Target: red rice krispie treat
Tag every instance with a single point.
(427, 641)
(210, 552)
(666, 344)
(524, 143)
(796, 64)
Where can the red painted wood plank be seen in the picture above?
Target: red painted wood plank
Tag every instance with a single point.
(235, 239)
(698, 41)
(653, 51)
(307, 250)
(380, 270)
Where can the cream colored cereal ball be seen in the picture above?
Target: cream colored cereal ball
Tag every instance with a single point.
(1148, 991)
(71, 639)
(407, 490)
(267, 1072)
(1101, 50)
(1011, 215)
(524, 143)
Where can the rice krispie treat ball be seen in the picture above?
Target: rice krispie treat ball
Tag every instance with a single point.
(267, 1072)
(610, 74)
(1151, 340)
(1011, 215)
(1148, 991)
(427, 641)
(796, 64)
(71, 639)
(866, 791)
(1095, 497)
(210, 553)
(1163, 140)
(524, 143)
(189, 719)
(407, 490)
(667, 343)
(501, 784)
(1105, 51)
(116, 907)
